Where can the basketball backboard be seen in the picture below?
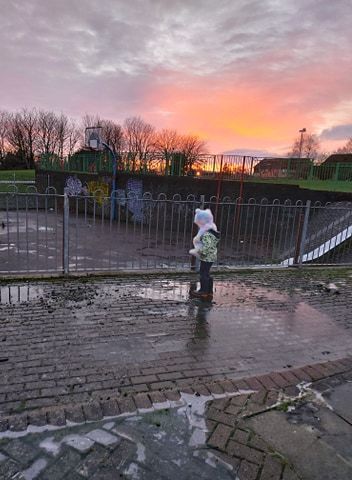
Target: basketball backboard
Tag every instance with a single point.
(93, 138)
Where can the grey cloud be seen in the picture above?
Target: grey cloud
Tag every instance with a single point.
(338, 132)
(69, 53)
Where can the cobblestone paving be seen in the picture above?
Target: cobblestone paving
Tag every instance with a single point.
(204, 434)
(76, 341)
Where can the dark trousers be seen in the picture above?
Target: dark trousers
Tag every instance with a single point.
(206, 282)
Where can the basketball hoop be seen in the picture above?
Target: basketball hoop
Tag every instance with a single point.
(93, 138)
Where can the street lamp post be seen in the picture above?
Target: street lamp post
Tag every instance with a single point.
(302, 132)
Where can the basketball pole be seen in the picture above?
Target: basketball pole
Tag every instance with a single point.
(114, 171)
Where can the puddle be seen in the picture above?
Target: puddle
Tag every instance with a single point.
(225, 293)
(14, 294)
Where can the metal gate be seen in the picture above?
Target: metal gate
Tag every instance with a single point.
(51, 233)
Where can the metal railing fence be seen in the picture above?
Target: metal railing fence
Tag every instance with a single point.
(204, 166)
(57, 233)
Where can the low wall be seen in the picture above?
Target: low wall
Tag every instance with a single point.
(180, 185)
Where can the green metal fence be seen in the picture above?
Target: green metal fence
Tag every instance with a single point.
(205, 166)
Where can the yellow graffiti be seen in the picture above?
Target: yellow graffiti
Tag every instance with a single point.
(98, 190)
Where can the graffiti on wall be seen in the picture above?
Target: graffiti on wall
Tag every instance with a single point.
(132, 198)
(74, 187)
(134, 188)
(99, 190)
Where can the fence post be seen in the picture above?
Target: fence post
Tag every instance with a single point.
(302, 235)
(65, 235)
(337, 168)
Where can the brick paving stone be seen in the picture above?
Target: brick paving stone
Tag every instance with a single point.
(126, 405)
(271, 398)
(37, 418)
(220, 403)
(92, 411)
(236, 449)
(221, 417)
(143, 387)
(258, 443)
(102, 437)
(228, 386)
(239, 400)
(162, 386)
(301, 374)
(35, 469)
(201, 390)
(215, 388)
(56, 417)
(233, 409)
(290, 377)
(242, 385)
(144, 379)
(240, 436)
(142, 401)
(172, 395)
(272, 469)
(20, 451)
(254, 383)
(74, 413)
(4, 424)
(79, 442)
(170, 376)
(313, 373)
(280, 380)
(91, 462)
(259, 397)
(121, 454)
(110, 408)
(157, 397)
(18, 422)
(247, 471)
(267, 382)
(220, 436)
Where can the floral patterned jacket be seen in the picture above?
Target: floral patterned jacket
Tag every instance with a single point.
(209, 249)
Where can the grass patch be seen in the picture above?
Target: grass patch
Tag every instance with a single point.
(320, 185)
(18, 175)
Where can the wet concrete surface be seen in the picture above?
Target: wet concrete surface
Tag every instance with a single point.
(68, 341)
(313, 435)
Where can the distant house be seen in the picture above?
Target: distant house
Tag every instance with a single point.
(339, 158)
(283, 167)
(338, 167)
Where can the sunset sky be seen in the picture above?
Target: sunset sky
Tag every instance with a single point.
(244, 74)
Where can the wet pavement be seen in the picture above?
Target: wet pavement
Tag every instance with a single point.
(69, 341)
(166, 443)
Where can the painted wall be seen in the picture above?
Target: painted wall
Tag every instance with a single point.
(184, 186)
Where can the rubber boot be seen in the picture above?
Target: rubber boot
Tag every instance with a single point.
(211, 286)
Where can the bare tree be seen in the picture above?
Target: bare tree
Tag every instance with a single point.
(73, 138)
(167, 142)
(192, 147)
(308, 147)
(22, 134)
(140, 137)
(113, 135)
(346, 148)
(4, 118)
(48, 133)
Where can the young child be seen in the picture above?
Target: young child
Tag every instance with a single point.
(206, 249)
